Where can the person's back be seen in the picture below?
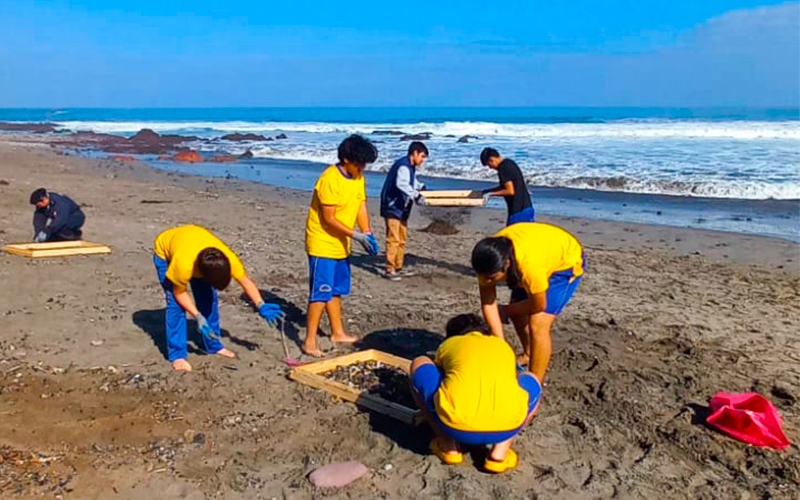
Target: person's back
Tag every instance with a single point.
(509, 171)
(479, 390)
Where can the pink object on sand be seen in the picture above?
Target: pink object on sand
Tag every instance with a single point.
(748, 417)
(338, 474)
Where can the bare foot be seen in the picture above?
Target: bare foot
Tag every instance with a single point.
(181, 365)
(313, 351)
(343, 338)
(225, 353)
(523, 360)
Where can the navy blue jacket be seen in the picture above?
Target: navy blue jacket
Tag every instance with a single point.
(397, 198)
(59, 212)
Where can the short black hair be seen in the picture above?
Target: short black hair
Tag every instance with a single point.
(417, 147)
(488, 153)
(215, 267)
(356, 149)
(38, 195)
(464, 324)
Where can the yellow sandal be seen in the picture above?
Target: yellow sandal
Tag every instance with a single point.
(505, 465)
(451, 458)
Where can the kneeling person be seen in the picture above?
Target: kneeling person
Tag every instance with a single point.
(191, 256)
(57, 217)
(472, 394)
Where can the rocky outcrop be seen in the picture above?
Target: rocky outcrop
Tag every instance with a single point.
(243, 137)
(145, 141)
(36, 128)
(280, 136)
(189, 156)
(246, 155)
(388, 132)
(123, 158)
(464, 139)
(417, 137)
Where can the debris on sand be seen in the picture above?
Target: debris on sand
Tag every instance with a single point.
(440, 227)
(445, 221)
(386, 381)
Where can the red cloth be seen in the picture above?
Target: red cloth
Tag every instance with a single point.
(748, 417)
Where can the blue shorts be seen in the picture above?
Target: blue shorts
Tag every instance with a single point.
(524, 215)
(562, 286)
(328, 278)
(426, 381)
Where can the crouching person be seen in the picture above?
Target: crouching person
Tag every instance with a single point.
(472, 394)
(191, 256)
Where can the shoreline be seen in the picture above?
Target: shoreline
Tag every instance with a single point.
(654, 331)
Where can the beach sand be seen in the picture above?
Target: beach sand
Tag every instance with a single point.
(90, 409)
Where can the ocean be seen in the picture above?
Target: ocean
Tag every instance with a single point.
(671, 155)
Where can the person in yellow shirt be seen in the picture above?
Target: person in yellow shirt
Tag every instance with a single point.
(190, 256)
(472, 394)
(543, 265)
(339, 203)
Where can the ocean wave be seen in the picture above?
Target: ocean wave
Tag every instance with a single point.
(644, 129)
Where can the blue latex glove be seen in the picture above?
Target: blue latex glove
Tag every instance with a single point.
(204, 328)
(367, 241)
(270, 312)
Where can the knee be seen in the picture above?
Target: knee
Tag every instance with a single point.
(417, 363)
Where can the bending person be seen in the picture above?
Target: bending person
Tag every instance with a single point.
(57, 217)
(191, 256)
(543, 265)
(472, 394)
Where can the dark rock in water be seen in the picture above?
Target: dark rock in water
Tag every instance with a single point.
(246, 155)
(280, 136)
(36, 128)
(145, 135)
(464, 139)
(417, 137)
(243, 137)
(388, 132)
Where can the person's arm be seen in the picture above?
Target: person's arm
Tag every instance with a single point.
(251, 290)
(333, 225)
(403, 183)
(534, 304)
(491, 311)
(184, 300)
(505, 189)
(363, 219)
(39, 222)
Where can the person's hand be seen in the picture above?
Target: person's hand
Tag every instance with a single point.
(40, 238)
(204, 328)
(367, 241)
(270, 312)
(421, 201)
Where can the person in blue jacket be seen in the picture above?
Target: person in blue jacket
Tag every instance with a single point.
(400, 190)
(57, 217)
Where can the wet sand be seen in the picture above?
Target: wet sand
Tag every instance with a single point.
(665, 318)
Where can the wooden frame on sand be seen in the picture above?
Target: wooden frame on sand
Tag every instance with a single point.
(311, 375)
(56, 249)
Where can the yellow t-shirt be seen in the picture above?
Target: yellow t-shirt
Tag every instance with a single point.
(479, 390)
(542, 250)
(347, 194)
(180, 247)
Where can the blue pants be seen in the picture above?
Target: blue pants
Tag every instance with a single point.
(525, 215)
(426, 381)
(206, 300)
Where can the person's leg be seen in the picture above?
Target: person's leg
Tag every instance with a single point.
(425, 379)
(341, 287)
(174, 320)
(402, 234)
(521, 326)
(531, 385)
(320, 284)
(392, 244)
(207, 300)
(562, 286)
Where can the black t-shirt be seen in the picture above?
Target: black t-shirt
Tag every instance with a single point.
(509, 171)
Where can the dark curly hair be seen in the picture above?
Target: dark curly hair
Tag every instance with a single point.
(355, 149)
(215, 267)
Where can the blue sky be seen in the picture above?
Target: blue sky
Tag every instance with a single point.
(144, 53)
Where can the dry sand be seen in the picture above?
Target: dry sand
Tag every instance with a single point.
(89, 408)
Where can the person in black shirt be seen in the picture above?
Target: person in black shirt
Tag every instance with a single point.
(512, 187)
(57, 217)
